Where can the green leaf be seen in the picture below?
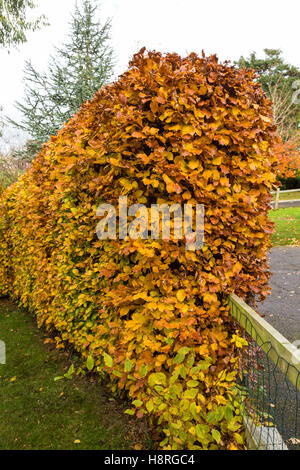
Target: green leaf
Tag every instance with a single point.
(157, 378)
(204, 365)
(201, 430)
(174, 377)
(117, 373)
(216, 435)
(228, 413)
(137, 403)
(131, 377)
(191, 393)
(129, 412)
(233, 425)
(169, 340)
(108, 360)
(128, 365)
(179, 358)
(193, 410)
(69, 374)
(149, 405)
(90, 363)
(192, 383)
(191, 360)
(175, 391)
(182, 372)
(195, 370)
(211, 417)
(183, 350)
(143, 370)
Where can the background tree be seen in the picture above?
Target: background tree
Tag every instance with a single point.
(11, 168)
(277, 79)
(1, 121)
(79, 68)
(288, 159)
(14, 23)
(285, 110)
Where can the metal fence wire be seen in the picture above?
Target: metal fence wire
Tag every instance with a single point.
(269, 384)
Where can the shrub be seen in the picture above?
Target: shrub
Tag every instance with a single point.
(288, 159)
(149, 313)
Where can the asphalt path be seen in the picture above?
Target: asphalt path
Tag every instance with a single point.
(283, 204)
(282, 310)
(282, 307)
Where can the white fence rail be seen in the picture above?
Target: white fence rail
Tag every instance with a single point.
(277, 195)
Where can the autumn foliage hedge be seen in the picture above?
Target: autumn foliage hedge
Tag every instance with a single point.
(149, 313)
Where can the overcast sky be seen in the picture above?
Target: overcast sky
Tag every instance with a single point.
(229, 28)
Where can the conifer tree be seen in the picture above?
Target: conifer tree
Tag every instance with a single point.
(14, 23)
(78, 69)
(280, 81)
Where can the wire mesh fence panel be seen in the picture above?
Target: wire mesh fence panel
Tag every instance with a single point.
(269, 385)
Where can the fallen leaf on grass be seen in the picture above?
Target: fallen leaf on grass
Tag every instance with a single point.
(138, 447)
(48, 340)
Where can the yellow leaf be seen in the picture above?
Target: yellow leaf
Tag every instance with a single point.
(217, 161)
(188, 130)
(181, 295)
(210, 297)
(186, 195)
(193, 164)
(138, 447)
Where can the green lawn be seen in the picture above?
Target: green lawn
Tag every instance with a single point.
(287, 226)
(37, 412)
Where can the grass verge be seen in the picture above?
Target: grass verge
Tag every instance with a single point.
(37, 412)
(287, 226)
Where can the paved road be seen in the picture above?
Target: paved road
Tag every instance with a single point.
(282, 310)
(282, 205)
(282, 307)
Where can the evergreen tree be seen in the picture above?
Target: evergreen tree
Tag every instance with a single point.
(279, 81)
(271, 68)
(14, 23)
(79, 68)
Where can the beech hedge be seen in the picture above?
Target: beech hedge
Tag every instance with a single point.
(150, 314)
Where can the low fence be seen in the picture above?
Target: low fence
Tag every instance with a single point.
(277, 196)
(269, 382)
